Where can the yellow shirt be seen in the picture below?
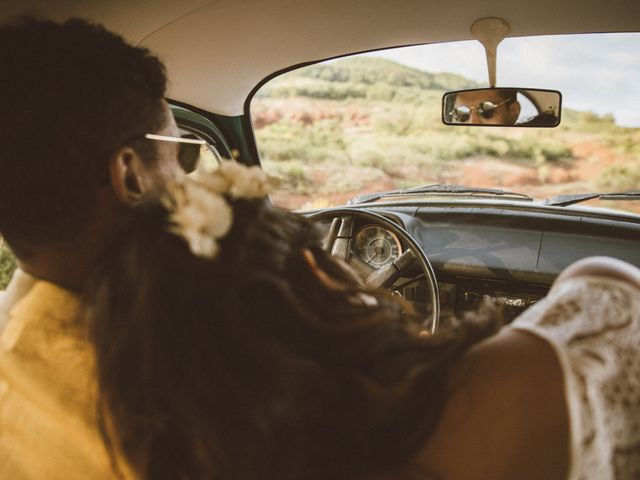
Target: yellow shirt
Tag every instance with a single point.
(48, 427)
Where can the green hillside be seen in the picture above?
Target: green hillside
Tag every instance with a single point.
(379, 79)
(364, 77)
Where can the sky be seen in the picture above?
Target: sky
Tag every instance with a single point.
(596, 72)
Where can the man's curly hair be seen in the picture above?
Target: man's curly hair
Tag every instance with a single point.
(71, 94)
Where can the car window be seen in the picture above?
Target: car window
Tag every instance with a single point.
(372, 122)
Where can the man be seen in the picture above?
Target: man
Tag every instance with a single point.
(486, 107)
(76, 103)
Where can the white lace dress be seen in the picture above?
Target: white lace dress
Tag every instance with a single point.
(593, 324)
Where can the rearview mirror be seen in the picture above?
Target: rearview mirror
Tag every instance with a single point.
(504, 107)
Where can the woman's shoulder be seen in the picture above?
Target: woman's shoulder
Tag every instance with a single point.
(505, 416)
(592, 320)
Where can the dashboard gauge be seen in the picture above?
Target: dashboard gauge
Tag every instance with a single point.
(376, 246)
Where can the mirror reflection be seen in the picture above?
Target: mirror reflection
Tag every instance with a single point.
(515, 107)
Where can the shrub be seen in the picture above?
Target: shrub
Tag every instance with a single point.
(620, 178)
(7, 264)
(538, 149)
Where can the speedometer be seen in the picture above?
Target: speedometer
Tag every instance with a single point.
(376, 246)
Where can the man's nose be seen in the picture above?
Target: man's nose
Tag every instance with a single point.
(475, 118)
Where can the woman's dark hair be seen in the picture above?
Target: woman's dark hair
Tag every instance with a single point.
(250, 366)
(71, 93)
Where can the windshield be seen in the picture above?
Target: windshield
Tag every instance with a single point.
(372, 122)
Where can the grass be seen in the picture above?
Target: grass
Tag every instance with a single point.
(293, 150)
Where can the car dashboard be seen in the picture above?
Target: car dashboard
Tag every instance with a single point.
(506, 252)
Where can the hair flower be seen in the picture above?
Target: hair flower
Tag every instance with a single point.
(243, 181)
(199, 211)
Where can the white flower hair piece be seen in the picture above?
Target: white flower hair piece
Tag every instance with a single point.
(198, 208)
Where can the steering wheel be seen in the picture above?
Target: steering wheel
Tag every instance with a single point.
(339, 239)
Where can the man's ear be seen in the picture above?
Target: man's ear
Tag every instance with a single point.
(514, 110)
(126, 172)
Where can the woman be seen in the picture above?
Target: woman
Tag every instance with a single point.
(230, 345)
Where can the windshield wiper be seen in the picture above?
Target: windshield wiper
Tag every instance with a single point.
(565, 200)
(438, 189)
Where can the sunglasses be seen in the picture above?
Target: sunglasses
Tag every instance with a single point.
(191, 149)
(462, 113)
